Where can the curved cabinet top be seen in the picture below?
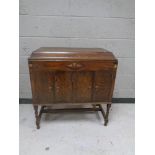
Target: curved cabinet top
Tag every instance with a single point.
(63, 54)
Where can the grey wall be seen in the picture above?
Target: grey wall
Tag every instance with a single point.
(79, 23)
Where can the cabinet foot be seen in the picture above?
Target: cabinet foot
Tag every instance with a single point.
(106, 122)
(38, 115)
(105, 115)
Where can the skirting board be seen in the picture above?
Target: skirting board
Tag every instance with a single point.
(114, 100)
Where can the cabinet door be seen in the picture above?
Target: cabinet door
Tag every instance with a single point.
(41, 83)
(50, 87)
(63, 87)
(82, 86)
(102, 86)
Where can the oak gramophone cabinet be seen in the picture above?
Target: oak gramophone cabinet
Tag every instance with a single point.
(84, 76)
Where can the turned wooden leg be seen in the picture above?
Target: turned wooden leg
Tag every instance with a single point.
(37, 117)
(107, 114)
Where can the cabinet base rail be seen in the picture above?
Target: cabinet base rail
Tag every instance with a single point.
(46, 109)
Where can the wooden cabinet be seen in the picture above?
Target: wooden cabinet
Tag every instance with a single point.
(71, 76)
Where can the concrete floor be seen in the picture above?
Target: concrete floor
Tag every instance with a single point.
(78, 133)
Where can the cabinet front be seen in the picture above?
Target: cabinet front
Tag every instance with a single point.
(57, 86)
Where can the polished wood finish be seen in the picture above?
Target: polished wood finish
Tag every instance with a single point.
(72, 75)
(57, 53)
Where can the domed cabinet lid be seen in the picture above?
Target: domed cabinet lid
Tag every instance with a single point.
(64, 54)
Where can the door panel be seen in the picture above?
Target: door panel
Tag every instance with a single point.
(42, 87)
(63, 87)
(102, 86)
(82, 86)
(70, 86)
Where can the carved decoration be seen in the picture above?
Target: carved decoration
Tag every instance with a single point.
(74, 65)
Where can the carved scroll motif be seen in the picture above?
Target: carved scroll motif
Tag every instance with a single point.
(74, 65)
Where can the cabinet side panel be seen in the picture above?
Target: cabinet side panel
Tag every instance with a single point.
(113, 81)
(32, 79)
(102, 86)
